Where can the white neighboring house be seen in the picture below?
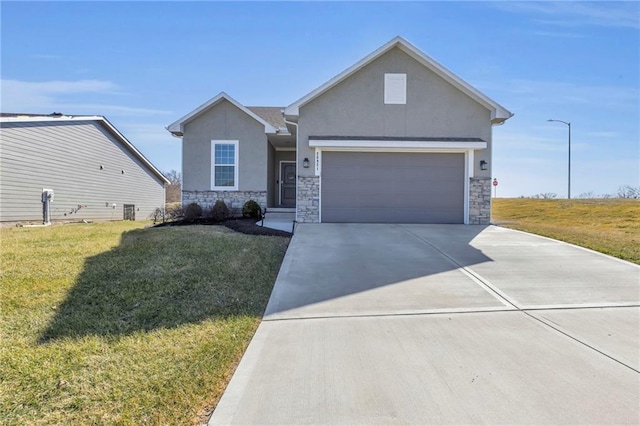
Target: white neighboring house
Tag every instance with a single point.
(82, 165)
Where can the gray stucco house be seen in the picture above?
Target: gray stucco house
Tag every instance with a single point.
(395, 138)
(83, 164)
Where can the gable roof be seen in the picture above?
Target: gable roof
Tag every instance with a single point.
(57, 117)
(177, 128)
(499, 114)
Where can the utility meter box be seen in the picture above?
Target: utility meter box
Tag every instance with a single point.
(47, 195)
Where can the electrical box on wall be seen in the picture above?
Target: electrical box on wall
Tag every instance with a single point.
(47, 195)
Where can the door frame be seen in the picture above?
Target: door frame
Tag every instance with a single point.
(280, 179)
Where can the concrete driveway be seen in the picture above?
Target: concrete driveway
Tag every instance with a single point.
(424, 324)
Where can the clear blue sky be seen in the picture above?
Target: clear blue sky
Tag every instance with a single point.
(145, 64)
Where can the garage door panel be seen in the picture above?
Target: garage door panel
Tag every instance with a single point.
(392, 187)
(337, 186)
(377, 215)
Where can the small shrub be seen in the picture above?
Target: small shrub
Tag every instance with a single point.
(192, 211)
(174, 211)
(219, 211)
(251, 209)
(157, 215)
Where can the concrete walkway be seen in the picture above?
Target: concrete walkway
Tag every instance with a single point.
(423, 324)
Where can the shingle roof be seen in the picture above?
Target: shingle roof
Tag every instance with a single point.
(272, 115)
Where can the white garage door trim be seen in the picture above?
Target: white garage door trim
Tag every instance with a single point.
(468, 169)
(386, 145)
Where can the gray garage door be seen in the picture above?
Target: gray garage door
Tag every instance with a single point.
(377, 187)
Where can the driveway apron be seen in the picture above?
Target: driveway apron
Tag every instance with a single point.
(423, 324)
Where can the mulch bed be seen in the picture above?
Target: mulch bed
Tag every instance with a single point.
(242, 225)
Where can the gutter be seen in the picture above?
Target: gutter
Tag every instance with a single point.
(284, 117)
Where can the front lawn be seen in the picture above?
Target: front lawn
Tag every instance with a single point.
(114, 324)
(611, 226)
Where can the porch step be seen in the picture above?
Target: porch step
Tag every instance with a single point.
(279, 218)
(280, 215)
(281, 209)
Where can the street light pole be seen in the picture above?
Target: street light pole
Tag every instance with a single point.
(569, 168)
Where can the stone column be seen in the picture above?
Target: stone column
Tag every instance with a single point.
(308, 202)
(479, 201)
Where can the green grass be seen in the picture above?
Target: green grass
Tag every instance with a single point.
(113, 324)
(610, 226)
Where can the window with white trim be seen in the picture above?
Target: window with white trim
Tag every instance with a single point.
(395, 89)
(224, 165)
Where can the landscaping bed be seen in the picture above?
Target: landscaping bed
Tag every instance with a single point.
(244, 225)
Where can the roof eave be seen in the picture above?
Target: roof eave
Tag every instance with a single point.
(294, 108)
(177, 127)
(135, 151)
(500, 115)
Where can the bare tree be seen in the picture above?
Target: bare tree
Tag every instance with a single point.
(628, 191)
(174, 189)
(589, 194)
(545, 195)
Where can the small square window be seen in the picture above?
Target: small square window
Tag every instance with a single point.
(395, 89)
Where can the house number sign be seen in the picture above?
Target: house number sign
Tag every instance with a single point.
(317, 163)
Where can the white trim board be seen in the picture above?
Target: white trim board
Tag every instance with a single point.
(395, 145)
(468, 173)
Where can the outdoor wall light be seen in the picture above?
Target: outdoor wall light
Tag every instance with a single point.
(483, 165)
(305, 163)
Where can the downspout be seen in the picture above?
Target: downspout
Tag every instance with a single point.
(46, 198)
(178, 135)
(297, 162)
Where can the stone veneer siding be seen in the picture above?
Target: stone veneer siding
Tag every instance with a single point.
(308, 203)
(233, 199)
(479, 201)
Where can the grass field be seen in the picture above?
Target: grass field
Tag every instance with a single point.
(610, 226)
(114, 324)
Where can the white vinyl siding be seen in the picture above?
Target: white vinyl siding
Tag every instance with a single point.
(66, 157)
(395, 89)
(224, 170)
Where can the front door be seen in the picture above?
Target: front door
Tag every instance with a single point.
(288, 184)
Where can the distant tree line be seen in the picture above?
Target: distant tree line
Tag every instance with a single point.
(624, 191)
